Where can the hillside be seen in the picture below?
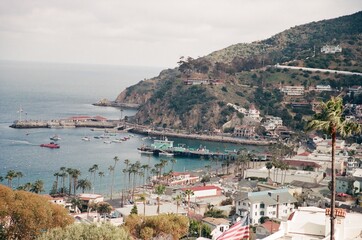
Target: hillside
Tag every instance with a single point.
(242, 74)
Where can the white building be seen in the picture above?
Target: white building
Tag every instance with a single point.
(202, 191)
(293, 90)
(314, 223)
(322, 88)
(216, 225)
(273, 204)
(272, 122)
(331, 49)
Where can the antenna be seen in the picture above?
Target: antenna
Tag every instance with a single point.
(20, 111)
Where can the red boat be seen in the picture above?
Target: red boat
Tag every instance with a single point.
(50, 145)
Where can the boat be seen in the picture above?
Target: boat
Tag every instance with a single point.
(50, 145)
(117, 140)
(107, 142)
(85, 138)
(166, 154)
(55, 138)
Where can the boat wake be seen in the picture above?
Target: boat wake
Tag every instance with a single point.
(21, 142)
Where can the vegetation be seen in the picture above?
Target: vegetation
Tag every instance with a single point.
(172, 225)
(332, 122)
(86, 231)
(25, 215)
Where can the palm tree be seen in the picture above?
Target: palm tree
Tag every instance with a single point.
(100, 174)
(143, 198)
(269, 166)
(112, 169)
(188, 193)
(11, 174)
(18, 176)
(84, 184)
(104, 208)
(125, 170)
(69, 172)
(93, 171)
(159, 190)
(178, 199)
(173, 161)
(37, 187)
(56, 175)
(164, 163)
(332, 122)
(1, 178)
(134, 169)
(76, 204)
(75, 174)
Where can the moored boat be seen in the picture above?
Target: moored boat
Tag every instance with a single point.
(50, 145)
(85, 138)
(55, 138)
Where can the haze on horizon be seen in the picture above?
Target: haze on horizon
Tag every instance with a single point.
(147, 33)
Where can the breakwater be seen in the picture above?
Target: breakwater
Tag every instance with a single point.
(63, 124)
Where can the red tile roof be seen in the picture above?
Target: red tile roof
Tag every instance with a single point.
(271, 226)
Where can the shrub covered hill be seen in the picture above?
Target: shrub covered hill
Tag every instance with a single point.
(245, 75)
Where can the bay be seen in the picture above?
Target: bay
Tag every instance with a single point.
(48, 91)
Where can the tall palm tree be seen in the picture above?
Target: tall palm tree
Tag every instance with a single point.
(159, 190)
(143, 198)
(75, 175)
(173, 161)
(1, 178)
(93, 170)
(178, 199)
(269, 166)
(56, 175)
(84, 184)
(188, 193)
(164, 163)
(332, 122)
(10, 175)
(100, 174)
(37, 187)
(112, 170)
(69, 172)
(125, 170)
(18, 176)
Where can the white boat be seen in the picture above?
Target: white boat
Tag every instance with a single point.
(55, 138)
(117, 140)
(145, 152)
(165, 154)
(85, 138)
(107, 142)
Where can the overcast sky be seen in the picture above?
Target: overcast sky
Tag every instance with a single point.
(147, 32)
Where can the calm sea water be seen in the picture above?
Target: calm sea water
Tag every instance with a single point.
(52, 91)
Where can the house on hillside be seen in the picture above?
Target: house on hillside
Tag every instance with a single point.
(331, 49)
(293, 90)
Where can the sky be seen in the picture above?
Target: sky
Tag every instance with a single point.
(147, 32)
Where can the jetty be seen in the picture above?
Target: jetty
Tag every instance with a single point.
(72, 122)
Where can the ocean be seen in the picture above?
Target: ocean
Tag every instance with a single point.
(46, 91)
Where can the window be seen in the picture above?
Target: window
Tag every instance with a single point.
(244, 204)
(221, 229)
(262, 213)
(256, 205)
(238, 203)
(262, 205)
(256, 214)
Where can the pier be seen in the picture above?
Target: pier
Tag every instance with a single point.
(63, 124)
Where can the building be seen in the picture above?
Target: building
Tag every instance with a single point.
(194, 81)
(244, 131)
(202, 191)
(88, 198)
(216, 225)
(182, 178)
(322, 88)
(272, 123)
(266, 229)
(293, 90)
(273, 204)
(331, 49)
(314, 223)
(348, 185)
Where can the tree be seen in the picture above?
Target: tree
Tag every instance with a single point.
(188, 193)
(86, 231)
(111, 170)
(84, 184)
(37, 187)
(11, 174)
(76, 204)
(75, 174)
(332, 122)
(159, 190)
(104, 208)
(134, 210)
(178, 199)
(100, 174)
(18, 176)
(143, 198)
(27, 215)
(93, 170)
(269, 166)
(173, 161)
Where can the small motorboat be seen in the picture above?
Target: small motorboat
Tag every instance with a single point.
(117, 140)
(85, 138)
(107, 142)
(50, 145)
(55, 138)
